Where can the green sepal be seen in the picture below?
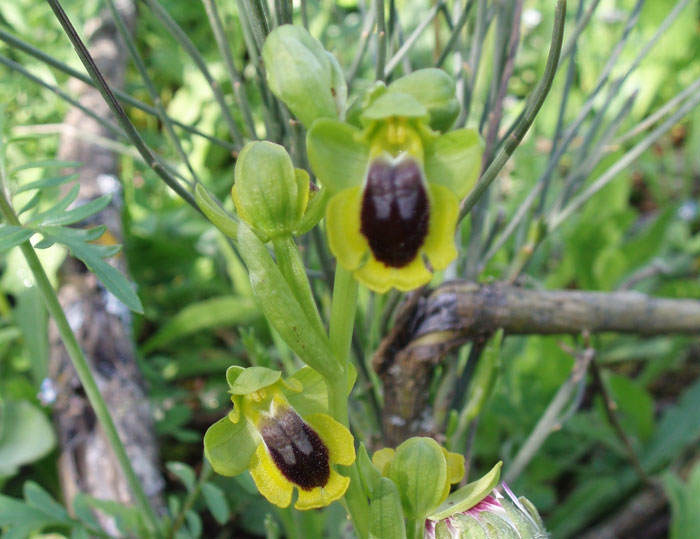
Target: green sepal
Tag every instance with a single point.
(337, 154)
(339, 88)
(229, 447)
(394, 105)
(281, 308)
(301, 177)
(252, 379)
(269, 194)
(499, 526)
(467, 526)
(232, 373)
(314, 396)
(386, 520)
(314, 211)
(469, 495)
(419, 470)
(226, 223)
(362, 100)
(454, 160)
(520, 520)
(435, 90)
(301, 73)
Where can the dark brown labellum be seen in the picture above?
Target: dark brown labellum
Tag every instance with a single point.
(297, 450)
(395, 211)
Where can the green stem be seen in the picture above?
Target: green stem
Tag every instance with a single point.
(531, 110)
(192, 496)
(292, 268)
(340, 333)
(78, 359)
(381, 39)
(116, 108)
(342, 314)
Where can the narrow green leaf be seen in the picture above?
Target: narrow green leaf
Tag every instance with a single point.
(184, 473)
(51, 181)
(59, 207)
(83, 512)
(194, 523)
(49, 163)
(281, 307)
(11, 236)
(469, 495)
(36, 197)
(216, 502)
(37, 497)
(207, 314)
(21, 519)
(78, 214)
(91, 256)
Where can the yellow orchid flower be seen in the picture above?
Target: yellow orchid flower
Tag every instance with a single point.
(395, 187)
(273, 433)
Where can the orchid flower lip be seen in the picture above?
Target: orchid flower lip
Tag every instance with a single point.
(395, 211)
(296, 449)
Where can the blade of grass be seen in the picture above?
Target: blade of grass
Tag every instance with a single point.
(47, 59)
(534, 103)
(185, 42)
(116, 108)
(150, 87)
(381, 39)
(454, 37)
(626, 160)
(234, 74)
(426, 20)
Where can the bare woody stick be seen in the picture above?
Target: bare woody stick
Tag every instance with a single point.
(429, 327)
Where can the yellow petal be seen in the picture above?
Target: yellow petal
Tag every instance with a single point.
(322, 496)
(411, 276)
(343, 228)
(455, 466)
(269, 480)
(382, 458)
(375, 275)
(338, 440)
(379, 277)
(439, 244)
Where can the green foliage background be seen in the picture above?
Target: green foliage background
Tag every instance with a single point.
(199, 315)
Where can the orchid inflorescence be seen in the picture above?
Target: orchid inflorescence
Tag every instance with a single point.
(389, 178)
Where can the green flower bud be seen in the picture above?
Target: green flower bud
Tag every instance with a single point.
(269, 193)
(435, 90)
(305, 76)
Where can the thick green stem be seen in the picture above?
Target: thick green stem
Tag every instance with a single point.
(293, 270)
(340, 333)
(78, 359)
(343, 314)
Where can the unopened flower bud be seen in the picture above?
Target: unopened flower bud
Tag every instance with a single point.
(269, 194)
(303, 74)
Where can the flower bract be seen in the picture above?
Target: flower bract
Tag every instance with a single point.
(395, 186)
(277, 433)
